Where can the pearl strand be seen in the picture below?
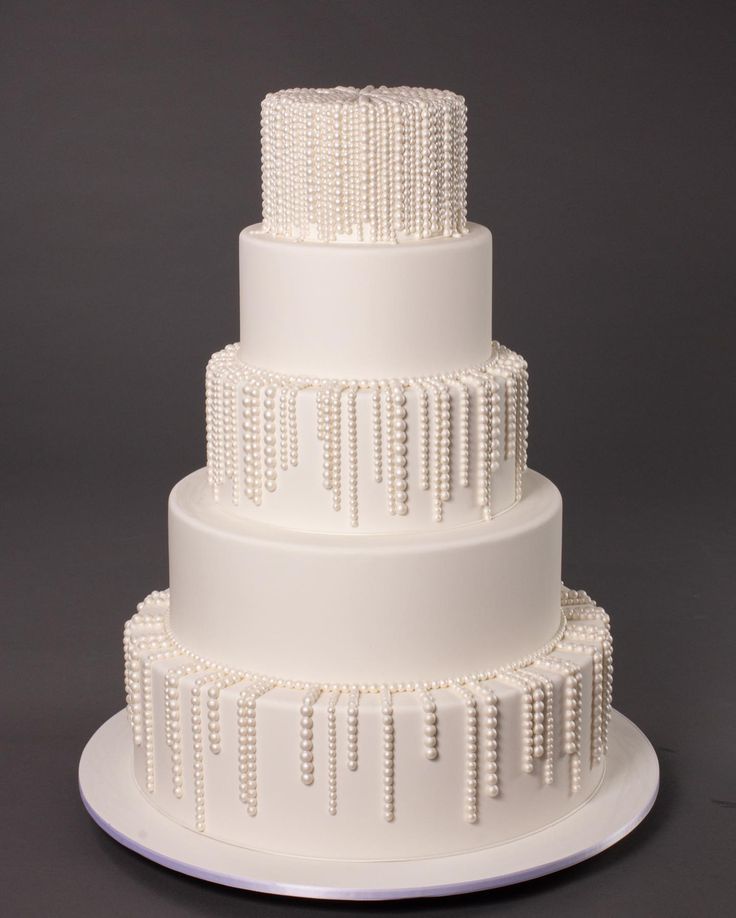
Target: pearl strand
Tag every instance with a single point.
(549, 729)
(336, 446)
(437, 455)
(423, 438)
(399, 448)
(464, 436)
(332, 753)
(483, 448)
(387, 715)
(195, 714)
(307, 734)
(172, 724)
(269, 439)
(248, 745)
(229, 431)
(490, 740)
(352, 728)
(389, 463)
(293, 430)
(147, 704)
(352, 423)
(429, 716)
(527, 720)
(283, 430)
(377, 435)
(471, 753)
(324, 406)
(218, 471)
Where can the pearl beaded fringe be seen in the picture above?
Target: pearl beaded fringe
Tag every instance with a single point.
(363, 165)
(584, 632)
(253, 437)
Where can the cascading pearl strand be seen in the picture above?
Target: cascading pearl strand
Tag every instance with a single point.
(390, 479)
(218, 433)
(147, 662)
(247, 745)
(172, 715)
(270, 474)
(509, 438)
(324, 406)
(195, 714)
(423, 405)
(283, 430)
(399, 448)
(526, 703)
(387, 715)
(471, 753)
(210, 427)
(445, 447)
(597, 699)
(352, 729)
(229, 433)
(319, 404)
(332, 753)
(483, 445)
(464, 400)
(307, 734)
(572, 707)
(336, 446)
(352, 425)
(429, 716)
(489, 740)
(293, 430)
(223, 681)
(437, 454)
(377, 433)
(549, 730)
(538, 711)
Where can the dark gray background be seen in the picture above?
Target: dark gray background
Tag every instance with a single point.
(601, 154)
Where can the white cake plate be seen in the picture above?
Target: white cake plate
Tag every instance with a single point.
(116, 804)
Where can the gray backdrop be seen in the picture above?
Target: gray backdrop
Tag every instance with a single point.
(601, 145)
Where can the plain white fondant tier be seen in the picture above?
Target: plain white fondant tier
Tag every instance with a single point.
(352, 311)
(364, 608)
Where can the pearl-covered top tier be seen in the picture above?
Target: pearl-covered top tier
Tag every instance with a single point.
(372, 165)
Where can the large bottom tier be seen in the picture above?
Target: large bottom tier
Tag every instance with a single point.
(370, 772)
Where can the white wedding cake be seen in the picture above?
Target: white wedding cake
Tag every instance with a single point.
(365, 652)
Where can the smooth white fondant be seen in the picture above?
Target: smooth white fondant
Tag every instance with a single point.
(375, 311)
(364, 608)
(363, 165)
(368, 455)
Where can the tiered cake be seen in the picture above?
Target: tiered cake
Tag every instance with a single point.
(365, 652)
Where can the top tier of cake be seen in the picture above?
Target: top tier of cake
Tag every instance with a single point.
(363, 165)
(364, 266)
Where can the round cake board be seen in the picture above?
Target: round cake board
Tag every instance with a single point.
(117, 805)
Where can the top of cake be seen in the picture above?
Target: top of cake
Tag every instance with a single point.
(371, 165)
